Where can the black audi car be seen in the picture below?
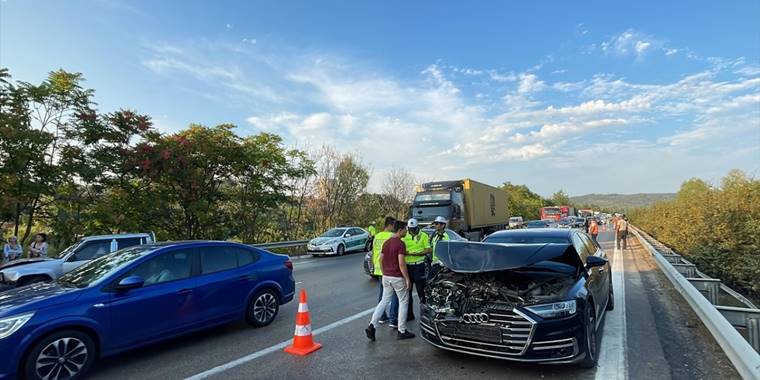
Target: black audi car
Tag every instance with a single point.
(533, 295)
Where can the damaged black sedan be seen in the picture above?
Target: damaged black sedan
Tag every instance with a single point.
(522, 295)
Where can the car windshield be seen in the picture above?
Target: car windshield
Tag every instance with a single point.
(432, 197)
(537, 223)
(68, 250)
(97, 269)
(335, 232)
(525, 239)
(515, 219)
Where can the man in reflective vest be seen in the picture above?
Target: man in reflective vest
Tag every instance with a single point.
(377, 247)
(372, 232)
(440, 234)
(417, 247)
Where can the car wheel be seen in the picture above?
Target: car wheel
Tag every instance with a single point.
(590, 344)
(263, 308)
(341, 250)
(611, 301)
(32, 280)
(67, 354)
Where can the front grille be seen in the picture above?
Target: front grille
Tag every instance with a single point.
(515, 331)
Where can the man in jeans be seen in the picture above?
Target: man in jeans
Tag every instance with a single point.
(395, 281)
(621, 232)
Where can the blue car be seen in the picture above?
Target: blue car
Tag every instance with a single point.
(134, 297)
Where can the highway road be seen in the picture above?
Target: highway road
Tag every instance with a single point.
(652, 334)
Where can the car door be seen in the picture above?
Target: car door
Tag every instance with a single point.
(86, 252)
(222, 286)
(593, 282)
(356, 240)
(602, 272)
(163, 306)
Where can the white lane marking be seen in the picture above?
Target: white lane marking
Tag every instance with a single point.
(276, 347)
(612, 355)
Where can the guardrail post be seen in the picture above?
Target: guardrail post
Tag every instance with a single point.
(713, 292)
(753, 330)
(686, 270)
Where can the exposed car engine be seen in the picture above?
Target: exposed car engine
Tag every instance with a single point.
(453, 294)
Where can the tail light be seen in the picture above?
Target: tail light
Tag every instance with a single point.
(289, 265)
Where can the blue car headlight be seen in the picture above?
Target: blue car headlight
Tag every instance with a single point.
(554, 310)
(10, 325)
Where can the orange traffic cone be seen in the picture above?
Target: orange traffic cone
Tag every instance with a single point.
(303, 344)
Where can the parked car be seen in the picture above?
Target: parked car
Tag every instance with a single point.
(28, 271)
(134, 297)
(523, 295)
(516, 222)
(428, 231)
(537, 224)
(337, 241)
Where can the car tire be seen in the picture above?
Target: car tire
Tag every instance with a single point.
(263, 308)
(340, 250)
(32, 280)
(590, 344)
(76, 348)
(611, 301)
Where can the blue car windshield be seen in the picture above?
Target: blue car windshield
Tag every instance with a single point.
(97, 269)
(335, 232)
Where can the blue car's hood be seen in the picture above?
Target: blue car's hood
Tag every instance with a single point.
(35, 296)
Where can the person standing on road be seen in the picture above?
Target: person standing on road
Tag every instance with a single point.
(372, 232)
(417, 248)
(395, 280)
(39, 246)
(377, 246)
(593, 230)
(440, 234)
(12, 250)
(621, 232)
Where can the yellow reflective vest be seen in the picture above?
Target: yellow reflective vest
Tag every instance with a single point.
(415, 244)
(372, 230)
(435, 239)
(377, 247)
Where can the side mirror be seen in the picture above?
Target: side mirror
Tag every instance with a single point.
(130, 282)
(595, 261)
(348, 235)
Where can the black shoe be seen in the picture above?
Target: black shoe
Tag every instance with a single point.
(405, 335)
(370, 331)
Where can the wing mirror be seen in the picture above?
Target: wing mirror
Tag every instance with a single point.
(595, 261)
(130, 282)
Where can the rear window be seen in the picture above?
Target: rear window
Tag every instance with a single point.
(525, 239)
(216, 259)
(129, 242)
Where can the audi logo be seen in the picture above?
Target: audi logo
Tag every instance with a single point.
(475, 318)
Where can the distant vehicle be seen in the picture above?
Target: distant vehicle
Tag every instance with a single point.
(133, 297)
(516, 222)
(473, 209)
(578, 221)
(537, 224)
(428, 231)
(586, 212)
(567, 211)
(338, 241)
(521, 295)
(566, 223)
(28, 271)
(551, 212)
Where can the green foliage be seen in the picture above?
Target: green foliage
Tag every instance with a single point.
(619, 202)
(523, 202)
(560, 198)
(717, 228)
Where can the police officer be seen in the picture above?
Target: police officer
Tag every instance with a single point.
(372, 232)
(417, 247)
(440, 234)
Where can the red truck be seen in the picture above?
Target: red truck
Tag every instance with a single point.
(551, 212)
(567, 211)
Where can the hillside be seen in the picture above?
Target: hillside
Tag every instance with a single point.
(620, 201)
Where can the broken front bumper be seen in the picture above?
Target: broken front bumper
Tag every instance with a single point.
(511, 335)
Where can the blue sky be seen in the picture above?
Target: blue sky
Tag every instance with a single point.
(593, 97)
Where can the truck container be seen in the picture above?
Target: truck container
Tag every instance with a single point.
(473, 209)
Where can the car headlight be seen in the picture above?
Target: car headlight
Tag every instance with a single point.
(10, 325)
(554, 310)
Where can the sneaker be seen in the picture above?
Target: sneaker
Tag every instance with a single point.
(383, 320)
(370, 331)
(393, 325)
(405, 335)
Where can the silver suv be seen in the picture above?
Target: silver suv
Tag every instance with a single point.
(28, 271)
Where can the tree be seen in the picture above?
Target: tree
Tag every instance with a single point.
(398, 186)
(521, 201)
(560, 198)
(340, 180)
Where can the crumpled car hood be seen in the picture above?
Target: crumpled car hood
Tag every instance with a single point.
(15, 263)
(471, 257)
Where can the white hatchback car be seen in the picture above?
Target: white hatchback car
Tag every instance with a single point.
(337, 241)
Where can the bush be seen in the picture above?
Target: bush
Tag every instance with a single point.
(715, 227)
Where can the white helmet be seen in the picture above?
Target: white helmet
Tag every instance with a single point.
(440, 219)
(412, 223)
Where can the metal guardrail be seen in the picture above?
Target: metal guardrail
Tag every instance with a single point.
(281, 244)
(703, 294)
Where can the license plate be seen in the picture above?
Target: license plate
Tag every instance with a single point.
(489, 334)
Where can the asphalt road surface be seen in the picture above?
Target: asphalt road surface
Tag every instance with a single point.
(652, 334)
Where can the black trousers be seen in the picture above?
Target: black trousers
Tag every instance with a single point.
(417, 275)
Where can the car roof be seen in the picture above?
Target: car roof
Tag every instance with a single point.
(192, 243)
(548, 232)
(115, 236)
